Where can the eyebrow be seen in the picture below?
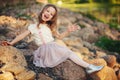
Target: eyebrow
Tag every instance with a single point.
(52, 11)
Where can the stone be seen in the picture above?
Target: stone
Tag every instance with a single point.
(44, 77)
(9, 54)
(6, 76)
(26, 75)
(110, 59)
(69, 71)
(13, 63)
(106, 73)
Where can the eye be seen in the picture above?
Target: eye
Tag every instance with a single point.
(47, 10)
(51, 14)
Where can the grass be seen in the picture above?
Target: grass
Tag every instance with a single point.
(114, 25)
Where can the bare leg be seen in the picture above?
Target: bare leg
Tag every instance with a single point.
(78, 61)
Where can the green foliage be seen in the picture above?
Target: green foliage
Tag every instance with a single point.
(92, 17)
(81, 1)
(114, 25)
(108, 44)
(102, 1)
(70, 1)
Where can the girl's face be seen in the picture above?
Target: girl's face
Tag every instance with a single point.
(48, 14)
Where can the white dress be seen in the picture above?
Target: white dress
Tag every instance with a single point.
(49, 54)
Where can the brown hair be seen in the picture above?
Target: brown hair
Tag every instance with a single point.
(53, 22)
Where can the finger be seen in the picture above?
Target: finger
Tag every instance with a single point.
(4, 43)
(77, 26)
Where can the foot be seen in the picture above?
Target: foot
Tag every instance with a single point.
(93, 68)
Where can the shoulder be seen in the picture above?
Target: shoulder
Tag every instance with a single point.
(32, 27)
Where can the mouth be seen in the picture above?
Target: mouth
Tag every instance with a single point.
(46, 17)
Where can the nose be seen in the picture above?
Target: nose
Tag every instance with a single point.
(48, 13)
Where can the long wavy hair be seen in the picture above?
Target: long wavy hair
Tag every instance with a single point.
(52, 24)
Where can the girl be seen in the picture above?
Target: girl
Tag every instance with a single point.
(49, 53)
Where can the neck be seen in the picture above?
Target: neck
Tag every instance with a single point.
(41, 24)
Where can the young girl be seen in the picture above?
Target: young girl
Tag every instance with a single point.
(49, 53)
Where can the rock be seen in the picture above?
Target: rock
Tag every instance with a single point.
(63, 21)
(2, 38)
(14, 2)
(100, 54)
(6, 76)
(84, 24)
(84, 50)
(74, 42)
(13, 61)
(26, 75)
(13, 68)
(88, 20)
(118, 75)
(79, 16)
(87, 34)
(106, 73)
(10, 54)
(44, 77)
(72, 19)
(70, 71)
(110, 59)
(88, 45)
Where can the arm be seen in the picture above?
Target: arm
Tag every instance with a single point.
(70, 29)
(62, 35)
(19, 37)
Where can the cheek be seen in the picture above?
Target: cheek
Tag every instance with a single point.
(42, 15)
(51, 17)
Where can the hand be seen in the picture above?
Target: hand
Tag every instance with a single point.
(73, 27)
(5, 43)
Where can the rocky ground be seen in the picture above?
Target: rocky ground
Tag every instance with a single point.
(14, 20)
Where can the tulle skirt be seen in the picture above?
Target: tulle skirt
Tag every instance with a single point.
(50, 55)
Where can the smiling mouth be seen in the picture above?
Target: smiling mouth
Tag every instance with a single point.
(46, 16)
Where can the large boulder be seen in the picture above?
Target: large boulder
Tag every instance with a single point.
(106, 73)
(13, 63)
(69, 71)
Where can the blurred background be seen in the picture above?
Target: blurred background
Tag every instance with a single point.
(107, 11)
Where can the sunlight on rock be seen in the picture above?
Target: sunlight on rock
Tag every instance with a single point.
(14, 65)
(12, 22)
(6, 76)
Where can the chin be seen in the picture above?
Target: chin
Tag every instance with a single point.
(44, 20)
